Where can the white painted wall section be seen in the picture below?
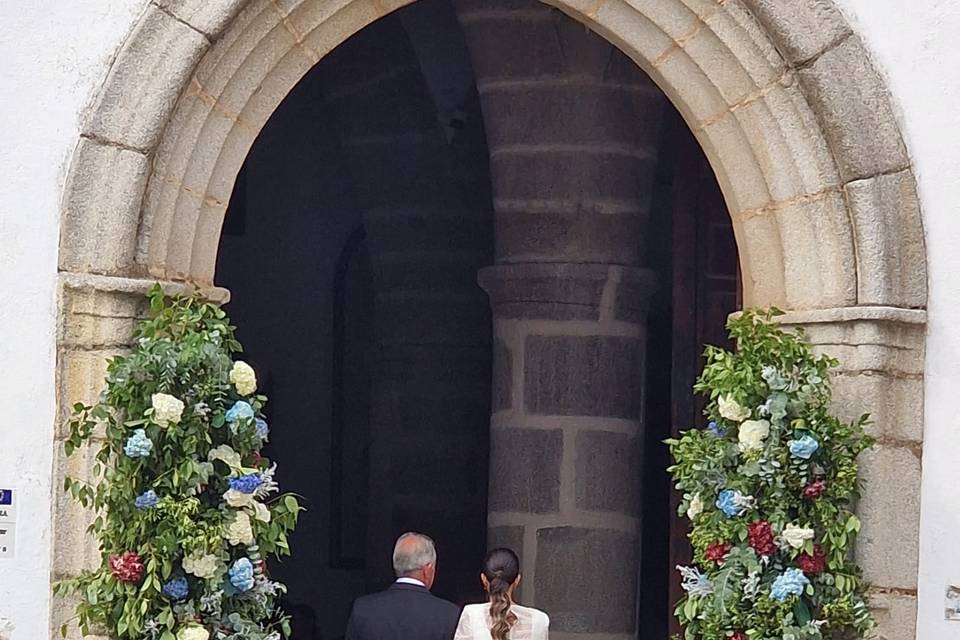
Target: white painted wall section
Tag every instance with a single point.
(53, 56)
(915, 46)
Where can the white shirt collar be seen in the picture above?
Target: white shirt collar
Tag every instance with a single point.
(410, 581)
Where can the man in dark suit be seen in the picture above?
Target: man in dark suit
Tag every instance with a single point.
(407, 610)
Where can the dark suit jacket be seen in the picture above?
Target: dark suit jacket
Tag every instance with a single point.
(402, 612)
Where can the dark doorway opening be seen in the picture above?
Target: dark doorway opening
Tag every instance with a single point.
(694, 254)
(351, 246)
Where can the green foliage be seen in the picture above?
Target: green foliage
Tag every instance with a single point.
(183, 352)
(768, 402)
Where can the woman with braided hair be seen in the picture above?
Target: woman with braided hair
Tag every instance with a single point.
(501, 618)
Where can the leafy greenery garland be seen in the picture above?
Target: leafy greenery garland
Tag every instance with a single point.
(769, 488)
(186, 505)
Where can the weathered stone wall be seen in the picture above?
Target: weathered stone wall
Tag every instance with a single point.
(881, 353)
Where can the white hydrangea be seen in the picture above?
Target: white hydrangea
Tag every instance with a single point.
(796, 536)
(695, 508)
(167, 409)
(238, 499)
(201, 565)
(243, 378)
(193, 632)
(225, 454)
(261, 512)
(731, 409)
(239, 531)
(752, 434)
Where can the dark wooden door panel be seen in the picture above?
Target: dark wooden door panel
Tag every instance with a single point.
(706, 289)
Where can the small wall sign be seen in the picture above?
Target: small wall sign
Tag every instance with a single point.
(8, 523)
(952, 603)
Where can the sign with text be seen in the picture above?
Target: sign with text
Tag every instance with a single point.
(8, 523)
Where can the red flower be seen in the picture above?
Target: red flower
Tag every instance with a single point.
(257, 458)
(718, 551)
(760, 536)
(815, 489)
(127, 567)
(739, 635)
(813, 564)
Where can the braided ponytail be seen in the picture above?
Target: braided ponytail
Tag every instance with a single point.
(501, 569)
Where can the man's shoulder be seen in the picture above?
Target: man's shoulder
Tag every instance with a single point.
(395, 593)
(449, 606)
(441, 604)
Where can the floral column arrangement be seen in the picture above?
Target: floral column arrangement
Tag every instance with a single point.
(187, 507)
(769, 487)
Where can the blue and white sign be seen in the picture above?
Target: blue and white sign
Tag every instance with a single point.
(8, 523)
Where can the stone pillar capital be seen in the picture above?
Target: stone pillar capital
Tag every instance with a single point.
(877, 340)
(568, 291)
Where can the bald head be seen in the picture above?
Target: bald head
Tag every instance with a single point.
(414, 556)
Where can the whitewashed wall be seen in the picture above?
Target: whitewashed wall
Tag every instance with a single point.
(53, 56)
(915, 43)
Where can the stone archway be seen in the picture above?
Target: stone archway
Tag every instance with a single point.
(781, 95)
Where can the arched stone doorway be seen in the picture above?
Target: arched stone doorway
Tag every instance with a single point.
(783, 100)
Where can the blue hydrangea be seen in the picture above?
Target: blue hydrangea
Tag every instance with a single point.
(263, 430)
(729, 501)
(147, 500)
(177, 589)
(239, 411)
(791, 582)
(138, 445)
(804, 447)
(246, 484)
(716, 429)
(241, 574)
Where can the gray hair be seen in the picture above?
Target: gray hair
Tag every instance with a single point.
(412, 553)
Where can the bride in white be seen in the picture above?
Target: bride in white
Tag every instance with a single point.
(500, 618)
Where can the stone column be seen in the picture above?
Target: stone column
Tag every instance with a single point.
(572, 128)
(881, 354)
